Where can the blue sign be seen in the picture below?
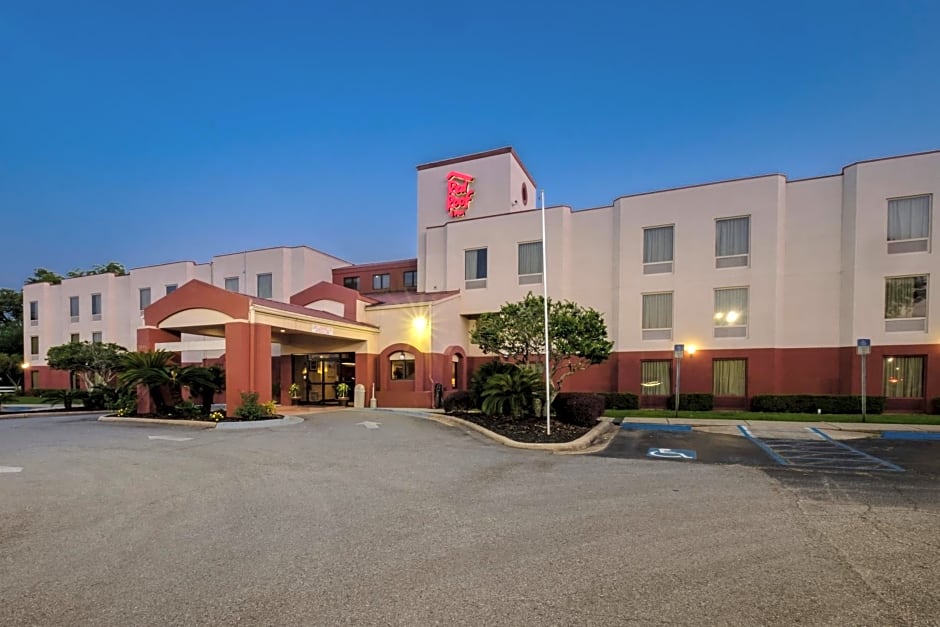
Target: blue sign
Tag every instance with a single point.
(864, 342)
(671, 453)
(679, 348)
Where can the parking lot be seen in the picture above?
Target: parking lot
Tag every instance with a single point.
(412, 523)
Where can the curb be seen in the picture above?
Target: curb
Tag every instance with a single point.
(590, 442)
(48, 414)
(259, 424)
(202, 424)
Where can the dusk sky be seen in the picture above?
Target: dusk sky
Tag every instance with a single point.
(151, 132)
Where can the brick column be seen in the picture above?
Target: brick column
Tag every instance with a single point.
(247, 362)
(147, 339)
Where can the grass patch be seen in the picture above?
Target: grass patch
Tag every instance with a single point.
(910, 419)
(24, 400)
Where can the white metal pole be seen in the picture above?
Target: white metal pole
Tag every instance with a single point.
(548, 378)
(864, 386)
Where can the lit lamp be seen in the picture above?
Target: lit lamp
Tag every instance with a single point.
(690, 350)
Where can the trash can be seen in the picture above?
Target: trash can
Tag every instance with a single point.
(438, 396)
(359, 396)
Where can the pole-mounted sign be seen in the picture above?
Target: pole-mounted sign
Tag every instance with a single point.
(863, 349)
(677, 352)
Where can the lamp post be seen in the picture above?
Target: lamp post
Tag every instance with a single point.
(863, 348)
(677, 352)
(548, 376)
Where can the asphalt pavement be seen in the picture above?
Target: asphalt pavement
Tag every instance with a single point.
(331, 522)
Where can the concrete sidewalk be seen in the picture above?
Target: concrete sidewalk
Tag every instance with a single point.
(866, 427)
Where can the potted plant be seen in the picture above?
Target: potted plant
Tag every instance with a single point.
(342, 393)
(294, 392)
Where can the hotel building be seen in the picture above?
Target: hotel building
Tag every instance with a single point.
(771, 280)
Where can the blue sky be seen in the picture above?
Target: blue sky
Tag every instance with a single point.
(150, 132)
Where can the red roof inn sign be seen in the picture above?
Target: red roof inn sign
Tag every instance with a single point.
(459, 193)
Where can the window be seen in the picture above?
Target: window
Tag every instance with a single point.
(658, 249)
(475, 268)
(904, 377)
(729, 377)
(143, 297)
(906, 303)
(530, 263)
(381, 281)
(170, 288)
(96, 337)
(410, 278)
(231, 283)
(33, 313)
(657, 316)
(909, 224)
(731, 312)
(34, 345)
(655, 377)
(73, 308)
(75, 338)
(403, 366)
(352, 282)
(96, 306)
(34, 379)
(732, 242)
(265, 286)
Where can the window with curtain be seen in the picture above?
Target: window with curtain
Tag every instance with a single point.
(96, 304)
(729, 377)
(73, 306)
(231, 283)
(906, 297)
(96, 337)
(530, 258)
(475, 264)
(658, 244)
(34, 311)
(657, 311)
(265, 285)
(904, 377)
(732, 236)
(731, 306)
(34, 345)
(655, 377)
(909, 218)
(74, 338)
(143, 298)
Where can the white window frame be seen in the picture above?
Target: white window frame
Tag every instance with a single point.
(34, 353)
(34, 319)
(96, 316)
(746, 256)
(664, 333)
(909, 246)
(258, 284)
(659, 267)
(169, 288)
(140, 297)
(477, 282)
(524, 279)
(735, 327)
(237, 284)
(77, 316)
(913, 324)
(97, 337)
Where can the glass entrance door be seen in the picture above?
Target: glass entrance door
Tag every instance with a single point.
(321, 373)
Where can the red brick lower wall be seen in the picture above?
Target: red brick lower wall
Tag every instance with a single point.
(48, 378)
(769, 371)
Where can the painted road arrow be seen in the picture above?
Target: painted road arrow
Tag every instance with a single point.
(171, 438)
(11, 468)
(369, 425)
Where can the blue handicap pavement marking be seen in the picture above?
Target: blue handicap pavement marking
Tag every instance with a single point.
(671, 453)
(910, 435)
(644, 426)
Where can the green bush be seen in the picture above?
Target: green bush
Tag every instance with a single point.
(99, 398)
(810, 404)
(64, 396)
(578, 408)
(458, 400)
(187, 409)
(692, 402)
(251, 409)
(513, 393)
(482, 374)
(621, 400)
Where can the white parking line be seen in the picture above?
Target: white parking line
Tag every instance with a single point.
(11, 468)
(171, 438)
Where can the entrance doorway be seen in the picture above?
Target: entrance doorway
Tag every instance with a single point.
(319, 374)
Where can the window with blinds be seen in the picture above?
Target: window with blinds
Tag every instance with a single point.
(655, 379)
(906, 303)
(658, 249)
(530, 263)
(657, 316)
(475, 268)
(732, 242)
(731, 305)
(909, 224)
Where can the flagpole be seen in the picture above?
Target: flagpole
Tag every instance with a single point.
(548, 379)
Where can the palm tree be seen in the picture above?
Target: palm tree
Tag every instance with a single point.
(203, 382)
(150, 369)
(513, 393)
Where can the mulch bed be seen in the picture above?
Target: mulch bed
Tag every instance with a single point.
(529, 429)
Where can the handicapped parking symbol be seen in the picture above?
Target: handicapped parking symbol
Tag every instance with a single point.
(671, 453)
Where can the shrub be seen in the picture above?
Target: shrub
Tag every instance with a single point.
(578, 408)
(809, 404)
(125, 402)
(692, 402)
(458, 400)
(621, 400)
(270, 408)
(482, 374)
(250, 409)
(99, 398)
(64, 396)
(186, 409)
(511, 393)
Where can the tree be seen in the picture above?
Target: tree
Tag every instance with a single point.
(204, 386)
(11, 322)
(516, 333)
(10, 369)
(96, 363)
(158, 373)
(112, 267)
(42, 275)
